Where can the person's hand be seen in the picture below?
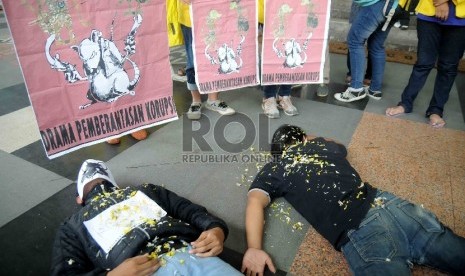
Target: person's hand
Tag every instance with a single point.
(141, 265)
(442, 11)
(209, 243)
(254, 262)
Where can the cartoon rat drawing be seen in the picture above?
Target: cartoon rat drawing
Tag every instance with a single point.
(103, 65)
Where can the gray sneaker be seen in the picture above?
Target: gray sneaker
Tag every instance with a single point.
(322, 90)
(351, 95)
(220, 107)
(270, 108)
(286, 105)
(195, 111)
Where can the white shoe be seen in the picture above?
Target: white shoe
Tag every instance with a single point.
(286, 105)
(195, 111)
(351, 95)
(220, 107)
(270, 108)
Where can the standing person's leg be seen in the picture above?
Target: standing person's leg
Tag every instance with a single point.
(367, 21)
(369, 71)
(195, 109)
(377, 54)
(284, 100)
(322, 90)
(429, 36)
(349, 74)
(451, 50)
(269, 105)
(354, 9)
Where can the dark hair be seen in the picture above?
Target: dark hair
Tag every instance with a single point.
(285, 136)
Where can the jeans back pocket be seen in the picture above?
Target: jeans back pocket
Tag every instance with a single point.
(373, 240)
(425, 218)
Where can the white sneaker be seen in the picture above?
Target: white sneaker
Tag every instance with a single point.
(220, 107)
(270, 108)
(286, 105)
(351, 95)
(195, 111)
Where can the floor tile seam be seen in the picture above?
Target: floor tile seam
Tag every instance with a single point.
(38, 204)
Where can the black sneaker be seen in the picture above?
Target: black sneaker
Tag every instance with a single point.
(375, 94)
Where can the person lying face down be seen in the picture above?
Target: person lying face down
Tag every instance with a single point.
(378, 232)
(136, 231)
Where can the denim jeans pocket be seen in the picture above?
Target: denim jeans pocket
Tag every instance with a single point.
(373, 240)
(425, 218)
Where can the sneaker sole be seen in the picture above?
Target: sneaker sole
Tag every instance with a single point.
(287, 113)
(291, 114)
(271, 116)
(374, 97)
(220, 111)
(337, 96)
(194, 116)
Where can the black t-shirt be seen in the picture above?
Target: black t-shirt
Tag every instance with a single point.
(318, 181)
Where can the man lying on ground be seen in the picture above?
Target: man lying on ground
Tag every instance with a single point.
(136, 231)
(378, 233)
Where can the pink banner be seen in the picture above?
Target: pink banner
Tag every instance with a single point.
(93, 69)
(225, 44)
(294, 41)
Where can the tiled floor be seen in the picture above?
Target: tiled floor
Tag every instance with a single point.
(403, 155)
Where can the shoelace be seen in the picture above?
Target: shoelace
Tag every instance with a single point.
(222, 105)
(346, 94)
(269, 103)
(195, 108)
(286, 102)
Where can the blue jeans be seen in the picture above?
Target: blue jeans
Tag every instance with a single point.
(270, 91)
(190, 72)
(366, 27)
(396, 234)
(184, 264)
(445, 44)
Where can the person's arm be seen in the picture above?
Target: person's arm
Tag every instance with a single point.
(209, 243)
(255, 259)
(141, 265)
(439, 2)
(442, 11)
(69, 258)
(214, 230)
